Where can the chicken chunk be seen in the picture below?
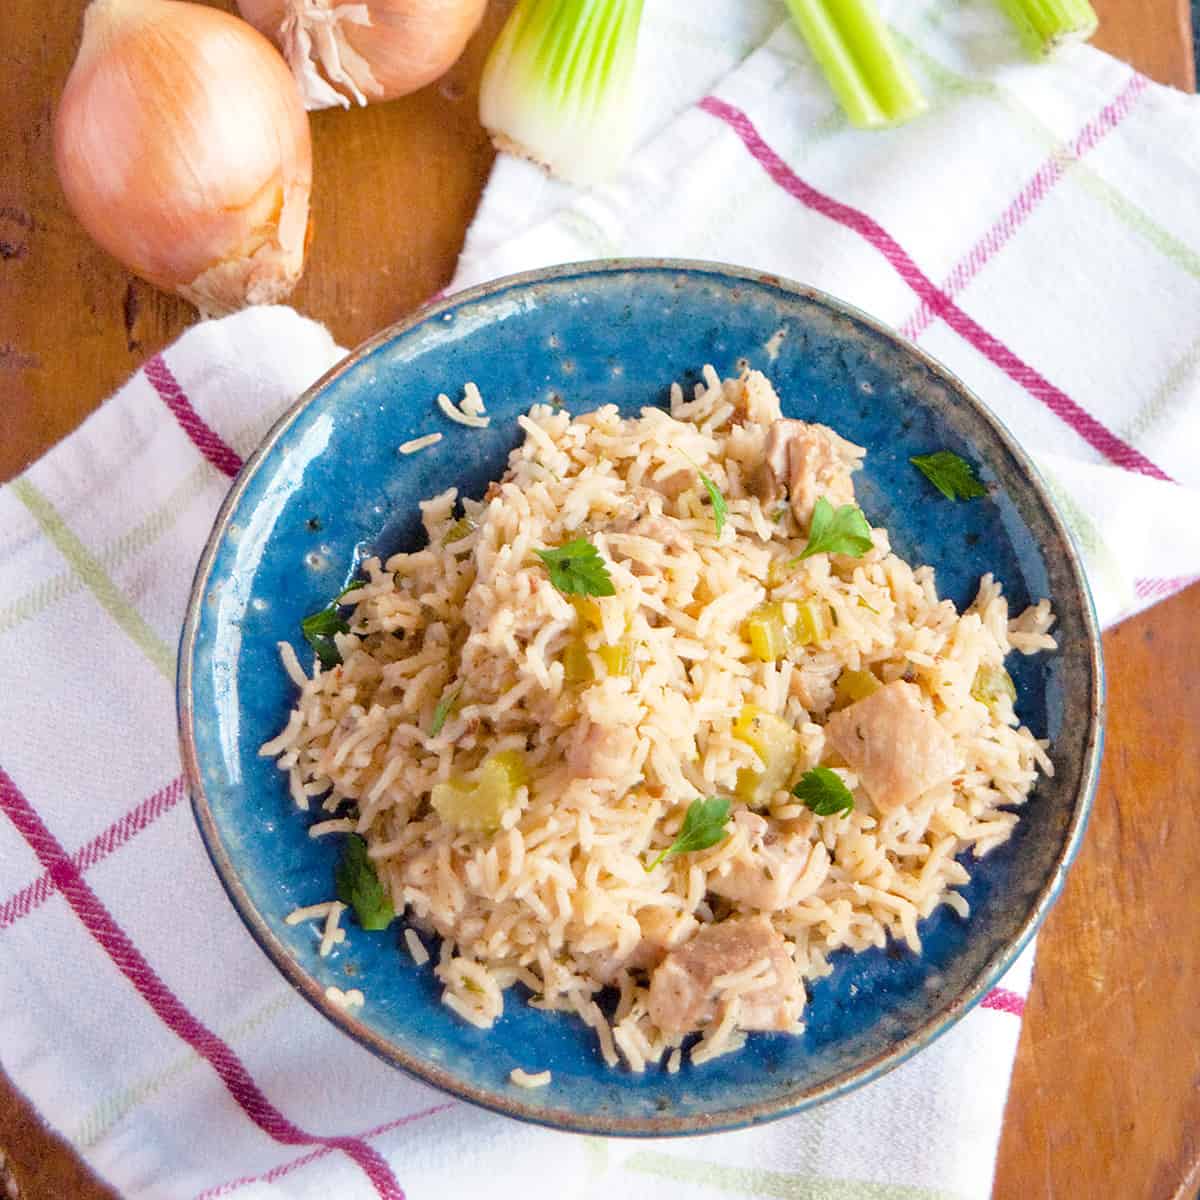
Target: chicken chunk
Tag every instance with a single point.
(641, 516)
(684, 990)
(807, 462)
(771, 871)
(662, 930)
(895, 745)
(601, 752)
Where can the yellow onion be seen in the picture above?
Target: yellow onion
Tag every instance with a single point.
(365, 50)
(183, 148)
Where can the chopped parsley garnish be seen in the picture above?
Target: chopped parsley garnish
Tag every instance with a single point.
(703, 826)
(445, 707)
(577, 569)
(719, 506)
(359, 886)
(836, 531)
(823, 791)
(954, 477)
(318, 630)
(319, 627)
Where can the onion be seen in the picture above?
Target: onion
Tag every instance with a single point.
(372, 50)
(183, 148)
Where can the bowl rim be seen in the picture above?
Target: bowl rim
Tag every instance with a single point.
(786, 1103)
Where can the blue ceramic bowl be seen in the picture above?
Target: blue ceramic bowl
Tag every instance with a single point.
(327, 487)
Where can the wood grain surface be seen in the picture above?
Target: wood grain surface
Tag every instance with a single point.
(1105, 1100)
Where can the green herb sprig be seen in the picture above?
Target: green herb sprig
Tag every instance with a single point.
(703, 826)
(359, 886)
(577, 569)
(445, 706)
(954, 477)
(319, 627)
(719, 507)
(823, 791)
(836, 531)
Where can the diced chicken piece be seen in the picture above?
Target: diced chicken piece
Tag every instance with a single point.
(894, 744)
(601, 751)
(684, 995)
(672, 486)
(662, 930)
(756, 399)
(807, 462)
(770, 871)
(638, 516)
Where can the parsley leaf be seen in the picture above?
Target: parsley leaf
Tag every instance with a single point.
(841, 531)
(359, 886)
(954, 477)
(445, 706)
(719, 506)
(824, 792)
(703, 826)
(318, 629)
(577, 569)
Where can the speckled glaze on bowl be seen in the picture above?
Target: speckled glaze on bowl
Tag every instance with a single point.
(328, 486)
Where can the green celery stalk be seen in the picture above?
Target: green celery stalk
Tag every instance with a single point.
(1044, 25)
(855, 50)
(556, 88)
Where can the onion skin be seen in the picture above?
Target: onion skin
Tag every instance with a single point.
(183, 148)
(400, 47)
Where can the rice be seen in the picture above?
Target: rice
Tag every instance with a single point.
(345, 999)
(469, 412)
(332, 934)
(526, 1080)
(615, 714)
(417, 444)
(416, 948)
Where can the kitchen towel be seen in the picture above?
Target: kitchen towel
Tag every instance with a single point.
(1035, 231)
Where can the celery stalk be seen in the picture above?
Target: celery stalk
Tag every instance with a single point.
(853, 47)
(556, 85)
(1044, 25)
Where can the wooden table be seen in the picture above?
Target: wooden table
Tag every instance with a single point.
(1105, 1100)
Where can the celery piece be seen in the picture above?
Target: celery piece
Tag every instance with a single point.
(616, 658)
(990, 683)
(1044, 25)
(556, 85)
(479, 807)
(811, 626)
(853, 686)
(767, 632)
(577, 665)
(778, 746)
(854, 49)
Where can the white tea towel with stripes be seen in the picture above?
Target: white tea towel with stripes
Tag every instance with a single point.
(1035, 231)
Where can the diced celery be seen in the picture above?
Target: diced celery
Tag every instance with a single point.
(812, 626)
(853, 686)
(616, 658)
(768, 633)
(577, 666)
(459, 530)
(990, 683)
(479, 807)
(577, 663)
(588, 610)
(778, 746)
